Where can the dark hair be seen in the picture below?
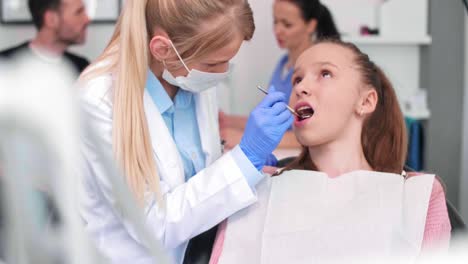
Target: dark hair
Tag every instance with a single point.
(313, 9)
(384, 138)
(38, 8)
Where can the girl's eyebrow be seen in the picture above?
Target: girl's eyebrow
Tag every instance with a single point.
(327, 63)
(322, 63)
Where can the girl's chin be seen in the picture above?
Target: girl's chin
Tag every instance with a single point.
(308, 142)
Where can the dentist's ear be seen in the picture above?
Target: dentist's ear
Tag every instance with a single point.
(312, 26)
(160, 48)
(368, 102)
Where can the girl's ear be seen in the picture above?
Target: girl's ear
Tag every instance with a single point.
(367, 102)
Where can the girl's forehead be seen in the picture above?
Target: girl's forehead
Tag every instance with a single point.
(327, 53)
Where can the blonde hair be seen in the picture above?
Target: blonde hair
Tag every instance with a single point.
(189, 24)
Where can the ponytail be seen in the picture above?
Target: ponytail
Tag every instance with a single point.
(127, 58)
(313, 9)
(131, 138)
(326, 27)
(384, 138)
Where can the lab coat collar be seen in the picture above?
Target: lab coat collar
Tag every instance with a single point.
(207, 116)
(167, 156)
(168, 159)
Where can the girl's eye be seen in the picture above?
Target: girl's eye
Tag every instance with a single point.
(297, 80)
(326, 74)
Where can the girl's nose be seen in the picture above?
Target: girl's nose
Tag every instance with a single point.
(301, 90)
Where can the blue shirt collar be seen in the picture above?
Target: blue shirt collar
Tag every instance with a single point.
(182, 100)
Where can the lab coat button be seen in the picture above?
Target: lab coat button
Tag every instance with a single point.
(172, 164)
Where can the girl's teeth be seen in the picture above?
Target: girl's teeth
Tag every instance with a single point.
(305, 112)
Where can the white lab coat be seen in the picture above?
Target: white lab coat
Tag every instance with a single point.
(191, 207)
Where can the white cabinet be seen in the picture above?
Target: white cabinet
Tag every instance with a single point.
(404, 18)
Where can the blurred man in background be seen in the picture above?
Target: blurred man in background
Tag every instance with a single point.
(60, 24)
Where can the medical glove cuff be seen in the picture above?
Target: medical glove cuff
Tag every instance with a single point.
(258, 161)
(271, 161)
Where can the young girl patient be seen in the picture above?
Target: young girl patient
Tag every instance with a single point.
(346, 195)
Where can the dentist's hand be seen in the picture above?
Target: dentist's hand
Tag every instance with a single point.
(265, 128)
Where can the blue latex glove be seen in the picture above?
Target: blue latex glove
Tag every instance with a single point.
(271, 161)
(265, 128)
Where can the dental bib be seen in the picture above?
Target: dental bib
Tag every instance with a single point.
(307, 217)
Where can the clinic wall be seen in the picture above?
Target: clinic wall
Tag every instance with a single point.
(253, 65)
(98, 36)
(442, 71)
(464, 178)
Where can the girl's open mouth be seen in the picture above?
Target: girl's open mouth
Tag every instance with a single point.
(304, 111)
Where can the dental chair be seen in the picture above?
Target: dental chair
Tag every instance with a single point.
(200, 247)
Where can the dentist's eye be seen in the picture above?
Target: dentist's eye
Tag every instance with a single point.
(325, 74)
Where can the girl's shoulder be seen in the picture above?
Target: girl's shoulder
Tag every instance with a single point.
(437, 229)
(438, 188)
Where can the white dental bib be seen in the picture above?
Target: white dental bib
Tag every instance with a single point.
(307, 217)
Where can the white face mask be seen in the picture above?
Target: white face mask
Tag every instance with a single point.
(196, 81)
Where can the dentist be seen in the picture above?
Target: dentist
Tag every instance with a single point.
(151, 97)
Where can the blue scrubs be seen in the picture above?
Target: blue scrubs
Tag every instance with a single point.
(281, 81)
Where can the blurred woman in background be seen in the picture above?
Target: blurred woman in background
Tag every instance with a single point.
(297, 25)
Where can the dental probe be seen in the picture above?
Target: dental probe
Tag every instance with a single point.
(289, 108)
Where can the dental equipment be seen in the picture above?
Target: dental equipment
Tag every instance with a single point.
(289, 108)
